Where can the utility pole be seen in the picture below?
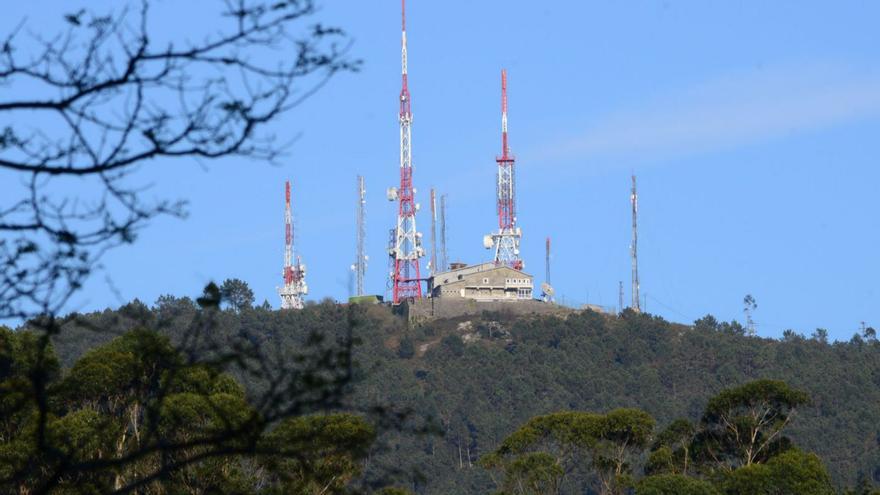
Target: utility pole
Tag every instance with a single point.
(620, 296)
(634, 248)
(407, 249)
(294, 275)
(506, 240)
(360, 263)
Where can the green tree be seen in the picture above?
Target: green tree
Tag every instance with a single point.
(542, 452)
(538, 456)
(623, 435)
(316, 454)
(237, 294)
(407, 348)
(791, 472)
(671, 452)
(135, 415)
(743, 425)
(674, 484)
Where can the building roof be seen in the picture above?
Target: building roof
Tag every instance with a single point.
(452, 275)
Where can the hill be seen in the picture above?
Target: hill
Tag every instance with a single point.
(477, 379)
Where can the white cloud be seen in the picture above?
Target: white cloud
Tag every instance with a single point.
(734, 110)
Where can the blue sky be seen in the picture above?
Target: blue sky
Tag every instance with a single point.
(752, 126)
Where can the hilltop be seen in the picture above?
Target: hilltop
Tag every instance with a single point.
(478, 378)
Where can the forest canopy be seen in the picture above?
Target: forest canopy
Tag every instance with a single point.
(465, 385)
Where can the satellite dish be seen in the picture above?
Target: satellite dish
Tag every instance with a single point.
(547, 289)
(487, 241)
(392, 194)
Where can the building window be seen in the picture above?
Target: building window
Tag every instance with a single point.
(524, 293)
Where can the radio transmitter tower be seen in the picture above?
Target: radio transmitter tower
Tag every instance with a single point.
(407, 247)
(295, 287)
(506, 240)
(360, 263)
(634, 248)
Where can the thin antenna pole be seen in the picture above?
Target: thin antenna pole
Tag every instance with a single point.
(433, 232)
(444, 257)
(360, 264)
(620, 297)
(634, 249)
(547, 262)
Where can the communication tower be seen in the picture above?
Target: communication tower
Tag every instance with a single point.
(634, 248)
(407, 248)
(294, 288)
(360, 264)
(506, 240)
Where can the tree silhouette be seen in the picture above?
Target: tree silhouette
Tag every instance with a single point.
(96, 102)
(84, 110)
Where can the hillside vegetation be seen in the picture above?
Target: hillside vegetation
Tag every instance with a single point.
(471, 382)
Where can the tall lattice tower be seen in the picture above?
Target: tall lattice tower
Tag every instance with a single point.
(360, 263)
(407, 248)
(294, 289)
(634, 248)
(506, 240)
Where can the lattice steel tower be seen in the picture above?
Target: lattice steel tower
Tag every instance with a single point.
(360, 263)
(407, 247)
(506, 240)
(294, 289)
(634, 248)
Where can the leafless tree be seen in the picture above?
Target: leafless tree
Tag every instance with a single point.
(88, 108)
(103, 99)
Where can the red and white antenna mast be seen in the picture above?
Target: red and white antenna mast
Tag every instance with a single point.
(407, 247)
(294, 288)
(506, 240)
